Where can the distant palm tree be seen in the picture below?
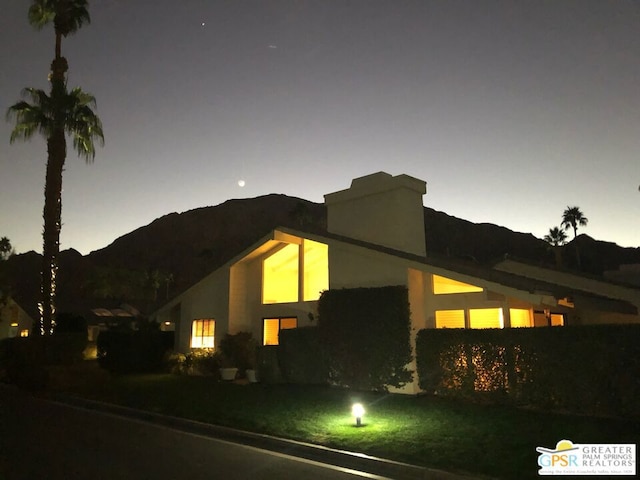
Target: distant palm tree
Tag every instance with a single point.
(572, 217)
(556, 237)
(54, 116)
(67, 17)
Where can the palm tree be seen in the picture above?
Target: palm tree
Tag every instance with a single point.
(54, 116)
(67, 17)
(572, 217)
(556, 237)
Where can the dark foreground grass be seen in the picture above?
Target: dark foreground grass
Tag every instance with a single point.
(434, 432)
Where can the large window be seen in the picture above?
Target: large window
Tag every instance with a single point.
(282, 275)
(444, 285)
(272, 327)
(202, 333)
(486, 318)
(520, 317)
(316, 269)
(449, 318)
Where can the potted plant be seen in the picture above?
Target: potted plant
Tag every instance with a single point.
(240, 350)
(228, 369)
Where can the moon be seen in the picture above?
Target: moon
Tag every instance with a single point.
(241, 183)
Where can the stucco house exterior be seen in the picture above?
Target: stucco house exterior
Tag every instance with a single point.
(14, 320)
(376, 237)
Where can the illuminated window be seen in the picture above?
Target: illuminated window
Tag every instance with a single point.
(316, 269)
(272, 327)
(444, 285)
(24, 333)
(449, 318)
(486, 318)
(280, 276)
(541, 319)
(520, 318)
(202, 333)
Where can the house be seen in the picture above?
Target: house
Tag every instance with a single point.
(375, 237)
(14, 320)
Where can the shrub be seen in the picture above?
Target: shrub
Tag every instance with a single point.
(239, 350)
(302, 357)
(366, 334)
(133, 351)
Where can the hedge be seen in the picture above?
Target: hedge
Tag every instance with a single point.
(583, 369)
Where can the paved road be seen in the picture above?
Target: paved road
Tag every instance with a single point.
(44, 440)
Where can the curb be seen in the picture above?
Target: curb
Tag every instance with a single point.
(356, 461)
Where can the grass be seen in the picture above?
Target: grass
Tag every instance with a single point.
(496, 441)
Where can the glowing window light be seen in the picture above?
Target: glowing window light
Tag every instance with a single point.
(203, 333)
(449, 318)
(272, 327)
(486, 318)
(357, 410)
(315, 270)
(444, 285)
(520, 317)
(280, 276)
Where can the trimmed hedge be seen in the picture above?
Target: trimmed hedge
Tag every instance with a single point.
(133, 351)
(366, 334)
(301, 356)
(583, 369)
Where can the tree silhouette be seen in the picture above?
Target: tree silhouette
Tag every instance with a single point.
(54, 116)
(556, 237)
(572, 217)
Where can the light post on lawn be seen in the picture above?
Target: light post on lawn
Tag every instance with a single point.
(357, 410)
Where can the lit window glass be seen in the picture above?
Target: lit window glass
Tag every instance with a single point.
(316, 269)
(444, 285)
(486, 318)
(203, 333)
(272, 327)
(520, 317)
(449, 318)
(280, 276)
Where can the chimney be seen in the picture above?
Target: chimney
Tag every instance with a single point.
(381, 209)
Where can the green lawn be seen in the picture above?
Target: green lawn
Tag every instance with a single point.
(492, 440)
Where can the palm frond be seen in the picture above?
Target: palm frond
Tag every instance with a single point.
(67, 16)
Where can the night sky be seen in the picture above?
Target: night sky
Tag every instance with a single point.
(510, 110)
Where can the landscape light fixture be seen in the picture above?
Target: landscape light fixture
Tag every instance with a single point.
(357, 410)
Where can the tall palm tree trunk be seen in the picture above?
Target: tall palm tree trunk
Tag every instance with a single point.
(52, 215)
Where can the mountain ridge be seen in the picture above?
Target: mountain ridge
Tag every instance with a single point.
(175, 250)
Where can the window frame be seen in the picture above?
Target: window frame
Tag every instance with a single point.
(279, 319)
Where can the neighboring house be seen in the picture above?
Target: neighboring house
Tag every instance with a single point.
(14, 320)
(375, 237)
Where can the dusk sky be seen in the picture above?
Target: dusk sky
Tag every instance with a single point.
(510, 110)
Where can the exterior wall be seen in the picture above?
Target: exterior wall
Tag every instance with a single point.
(380, 209)
(582, 315)
(208, 299)
(12, 314)
(351, 267)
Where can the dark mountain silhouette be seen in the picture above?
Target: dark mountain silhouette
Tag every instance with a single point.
(159, 260)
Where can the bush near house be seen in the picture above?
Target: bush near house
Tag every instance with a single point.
(366, 334)
(587, 369)
(133, 351)
(302, 357)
